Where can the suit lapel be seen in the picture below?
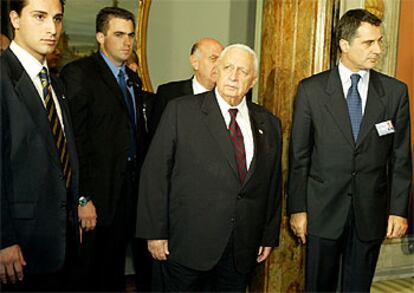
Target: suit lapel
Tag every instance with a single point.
(257, 126)
(337, 107)
(105, 72)
(218, 130)
(374, 106)
(28, 95)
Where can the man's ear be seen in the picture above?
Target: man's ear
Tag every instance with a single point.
(194, 62)
(14, 19)
(344, 45)
(100, 37)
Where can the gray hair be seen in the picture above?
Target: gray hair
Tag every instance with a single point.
(244, 48)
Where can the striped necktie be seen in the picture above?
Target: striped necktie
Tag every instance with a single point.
(55, 126)
(238, 145)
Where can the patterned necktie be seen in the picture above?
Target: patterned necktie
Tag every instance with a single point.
(55, 126)
(354, 102)
(130, 106)
(238, 145)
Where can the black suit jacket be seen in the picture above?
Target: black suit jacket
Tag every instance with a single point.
(102, 130)
(35, 204)
(330, 173)
(165, 93)
(190, 192)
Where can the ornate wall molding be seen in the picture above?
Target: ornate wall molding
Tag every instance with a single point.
(141, 41)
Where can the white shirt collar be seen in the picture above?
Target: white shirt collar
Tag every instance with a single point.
(30, 64)
(198, 88)
(345, 73)
(243, 111)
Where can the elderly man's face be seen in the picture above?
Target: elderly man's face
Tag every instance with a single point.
(235, 75)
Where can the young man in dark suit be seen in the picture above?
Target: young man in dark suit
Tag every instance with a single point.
(210, 187)
(106, 106)
(203, 56)
(350, 166)
(38, 164)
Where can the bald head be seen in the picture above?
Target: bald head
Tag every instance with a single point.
(204, 55)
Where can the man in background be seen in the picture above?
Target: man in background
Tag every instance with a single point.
(350, 166)
(203, 56)
(38, 165)
(106, 106)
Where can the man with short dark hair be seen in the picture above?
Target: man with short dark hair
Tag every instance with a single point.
(38, 164)
(350, 166)
(210, 190)
(106, 106)
(203, 56)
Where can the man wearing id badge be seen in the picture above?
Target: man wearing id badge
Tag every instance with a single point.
(350, 164)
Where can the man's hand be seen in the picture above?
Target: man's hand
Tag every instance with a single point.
(87, 216)
(158, 249)
(299, 225)
(11, 264)
(264, 252)
(397, 226)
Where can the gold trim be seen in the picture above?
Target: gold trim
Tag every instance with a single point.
(141, 40)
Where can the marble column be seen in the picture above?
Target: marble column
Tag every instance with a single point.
(296, 41)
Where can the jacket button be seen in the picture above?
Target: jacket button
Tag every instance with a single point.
(354, 173)
(232, 220)
(239, 197)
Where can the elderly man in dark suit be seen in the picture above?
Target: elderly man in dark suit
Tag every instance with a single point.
(105, 101)
(203, 56)
(210, 187)
(350, 165)
(38, 164)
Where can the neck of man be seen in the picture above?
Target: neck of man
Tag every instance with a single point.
(204, 82)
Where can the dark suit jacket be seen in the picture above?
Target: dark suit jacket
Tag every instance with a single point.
(35, 204)
(330, 173)
(165, 93)
(102, 130)
(190, 191)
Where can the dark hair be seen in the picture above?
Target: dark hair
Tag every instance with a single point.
(18, 5)
(194, 48)
(107, 13)
(351, 21)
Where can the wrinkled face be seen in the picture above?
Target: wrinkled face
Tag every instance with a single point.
(235, 75)
(362, 52)
(37, 28)
(204, 62)
(118, 41)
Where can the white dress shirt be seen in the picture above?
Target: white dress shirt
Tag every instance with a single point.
(198, 88)
(33, 67)
(363, 83)
(243, 120)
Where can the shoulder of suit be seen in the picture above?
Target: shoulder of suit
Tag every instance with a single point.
(173, 84)
(260, 110)
(319, 77)
(84, 63)
(389, 80)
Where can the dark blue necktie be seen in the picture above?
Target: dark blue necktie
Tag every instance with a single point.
(131, 110)
(354, 102)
